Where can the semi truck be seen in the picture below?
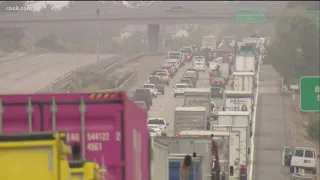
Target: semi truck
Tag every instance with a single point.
(109, 126)
(244, 144)
(198, 97)
(175, 162)
(188, 118)
(244, 81)
(201, 146)
(159, 160)
(239, 101)
(228, 153)
(48, 150)
(235, 118)
(209, 42)
(245, 63)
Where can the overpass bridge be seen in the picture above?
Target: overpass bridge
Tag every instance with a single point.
(153, 20)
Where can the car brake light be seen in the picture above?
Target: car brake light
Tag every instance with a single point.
(210, 73)
(223, 82)
(212, 82)
(189, 57)
(207, 122)
(195, 77)
(161, 86)
(167, 77)
(243, 166)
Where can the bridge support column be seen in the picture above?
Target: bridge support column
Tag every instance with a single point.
(153, 37)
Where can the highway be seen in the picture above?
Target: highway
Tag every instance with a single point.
(29, 73)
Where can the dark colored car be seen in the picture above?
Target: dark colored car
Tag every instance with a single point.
(187, 81)
(194, 70)
(159, 85)
(217, 92)
(192, 75)
(143, 95)
(218, 82)
(214, 73)
(142, 105)
(186, 54)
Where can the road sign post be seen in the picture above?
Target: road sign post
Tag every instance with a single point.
(310, 93)
(251, 16)
(315, 15)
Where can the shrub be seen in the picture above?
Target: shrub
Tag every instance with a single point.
(314, 126)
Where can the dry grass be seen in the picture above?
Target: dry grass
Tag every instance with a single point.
(298, 125)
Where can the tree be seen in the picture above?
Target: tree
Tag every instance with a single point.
(294, 51)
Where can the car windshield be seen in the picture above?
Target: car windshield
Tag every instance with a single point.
(148, 86)
(185, 51)
(155, 121)
(153, 78)
(174, 57)
(218, 79)
(162, 74)
(174, 54)
(140, 103)
(188, 74)
(181, 86)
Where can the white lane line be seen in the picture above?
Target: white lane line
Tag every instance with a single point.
(254, 123)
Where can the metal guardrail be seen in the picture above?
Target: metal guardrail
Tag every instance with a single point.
(98, 67)
(122, 86)
(67, 77)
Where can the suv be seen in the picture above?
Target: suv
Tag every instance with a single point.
(159, 85)
(161, 123)
(143, 95)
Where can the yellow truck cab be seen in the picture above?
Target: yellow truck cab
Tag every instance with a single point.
(34, 156)
(84, 170)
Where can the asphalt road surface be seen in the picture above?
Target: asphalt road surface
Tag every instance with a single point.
(29, 73)
(271, 134)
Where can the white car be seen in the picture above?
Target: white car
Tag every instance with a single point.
(200, 66)
(160, 122)
(152, 89)
(198, 59)
(156, 128)
(179, 89)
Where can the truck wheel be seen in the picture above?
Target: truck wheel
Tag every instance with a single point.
(249, 150)
(174, 95)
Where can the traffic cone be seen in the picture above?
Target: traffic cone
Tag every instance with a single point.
(294, 108)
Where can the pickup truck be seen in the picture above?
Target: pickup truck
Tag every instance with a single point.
(109, 126)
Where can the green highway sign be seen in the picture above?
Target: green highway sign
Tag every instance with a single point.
(251, 16)
(310, 93)
(315, 15)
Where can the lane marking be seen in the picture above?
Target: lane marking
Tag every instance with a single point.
(254, 122)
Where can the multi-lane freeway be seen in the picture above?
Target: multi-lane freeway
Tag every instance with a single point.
(29, 73)
(271, 131)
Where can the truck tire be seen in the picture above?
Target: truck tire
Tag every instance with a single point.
(174, 95)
